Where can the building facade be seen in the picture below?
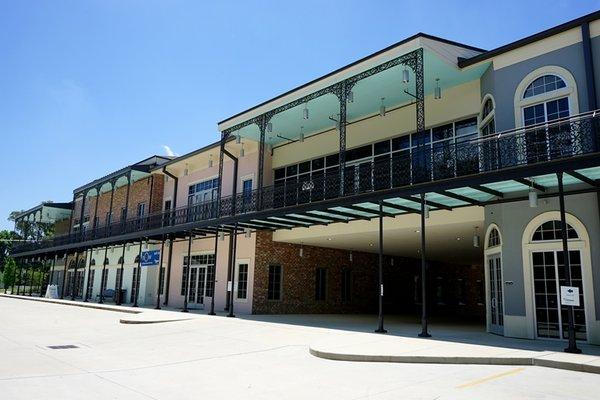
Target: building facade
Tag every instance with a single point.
(431, 177)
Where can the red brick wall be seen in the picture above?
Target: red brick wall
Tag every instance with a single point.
(138, 193)
(299, 278)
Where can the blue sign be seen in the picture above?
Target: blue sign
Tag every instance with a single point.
(150, 257)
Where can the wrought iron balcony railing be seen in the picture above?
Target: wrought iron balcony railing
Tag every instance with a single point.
(564, 138)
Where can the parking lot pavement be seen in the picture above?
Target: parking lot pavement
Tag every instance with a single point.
(218, 358)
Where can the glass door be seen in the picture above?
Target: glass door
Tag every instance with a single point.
(496, 294)
(548, 274)
(197, 285)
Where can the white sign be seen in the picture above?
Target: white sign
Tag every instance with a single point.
(381, 290)
(229, 286)
(52, 292)
(569, 296)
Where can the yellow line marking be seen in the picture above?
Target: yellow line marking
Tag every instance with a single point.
(490, 378)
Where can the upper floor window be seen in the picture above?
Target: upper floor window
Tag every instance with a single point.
(494, 238)
(203, 191)
(545, 95)
(544, 84)
(487, 123)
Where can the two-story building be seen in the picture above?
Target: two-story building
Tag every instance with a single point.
(431, 177)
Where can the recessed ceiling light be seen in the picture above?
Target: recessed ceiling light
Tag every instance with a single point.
(458, 238)
(371, 244)
(417, 231)
(329, 239)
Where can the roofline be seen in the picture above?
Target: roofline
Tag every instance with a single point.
(191, 154)
(373, 55)
(67, 206)
(530, 39)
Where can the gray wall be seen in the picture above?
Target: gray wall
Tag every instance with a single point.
(512, 218)
(503, 83)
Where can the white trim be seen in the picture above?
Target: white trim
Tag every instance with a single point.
(208, 178)
(236, 282)
(493, 252)
(247, 177)
(569, 91)
(481, 122)
(583, 245)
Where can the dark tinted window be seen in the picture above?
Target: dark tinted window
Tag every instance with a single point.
(382, 147)
(443, 132)
(291, 170)
(333, 159)
(304, 167)
(280, 173)
(318, 163)
(401, 143)
(274, 288)
(359, 152)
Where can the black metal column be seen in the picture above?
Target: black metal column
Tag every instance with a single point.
(119, 284)
(168, 277)
(214, 275)
(18, 278)
(420, 89)
(31, 279)
(51, 278)
(84, 197)
(380, 328)
(89, 271)
(189, 267)
(43, 275)
(64, 280)
(96, 219)
(74, 283)
(159, 282)
(136, 283)
(232, 269)
(424, 333)
(342, 97)
(572, 348)
(102, 288)
(261, 161)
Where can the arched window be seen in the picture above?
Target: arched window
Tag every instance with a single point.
(137, 259)
(546, 94)
(93, 262)
(494, 238)
(121, 260)
(106, 261)
(82, 264)
(72, 264)
(487, 124)
(552, 230)
(544, 84)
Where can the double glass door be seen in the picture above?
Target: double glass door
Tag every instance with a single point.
(494, 265)
(197, 284)
(548, 275)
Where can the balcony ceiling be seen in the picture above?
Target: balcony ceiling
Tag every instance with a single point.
(367, 98)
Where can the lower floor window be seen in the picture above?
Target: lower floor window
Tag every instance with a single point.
(274, 289)
(242, 287)
(346, 285)
(321, 284)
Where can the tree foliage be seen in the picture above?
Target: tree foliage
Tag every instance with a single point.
(10, 272)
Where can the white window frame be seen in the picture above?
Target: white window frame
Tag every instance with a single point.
(249, 280)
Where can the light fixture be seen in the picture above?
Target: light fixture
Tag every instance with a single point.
(247, 233)
(476, 238)
(301, 134)
(392, 261)
(269, 127)
(533, 196)
(329, 239)
(426, 211)
(301, 251)
(242, 152)
(350, 256)
(405, 75)
(438, 90)
(458, 238)
(417, 231)
(238, 139)
(350, 97)
(382, 108)
(221, 236)
(145, 245)
(186, 171)
(210, 161)
(305, 111)
(370, 244)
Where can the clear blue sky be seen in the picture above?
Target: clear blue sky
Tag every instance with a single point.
(87, 87)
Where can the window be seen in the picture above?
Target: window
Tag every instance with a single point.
(274, 288)
(210, 276)
(203, 191)
(494, 238)
(552, 230)
(242, 286)
(247, 187)
(96, 221)
(546, 112)
(161, 281)
(141, 209)
(346, 285)
(90, 283)
(544, 84)
(184, 277)
(321, 284)
(118, 279)
(108, 218)
(104, 279)
(167, 205)
(135, 281)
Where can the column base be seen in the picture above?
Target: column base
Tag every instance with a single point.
(380, 330)
(424, 335)
(572, 351)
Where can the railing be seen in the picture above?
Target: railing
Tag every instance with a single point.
(568, 137)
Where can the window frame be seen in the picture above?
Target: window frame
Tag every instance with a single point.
(280, 281)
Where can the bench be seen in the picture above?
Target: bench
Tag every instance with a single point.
(110, 294)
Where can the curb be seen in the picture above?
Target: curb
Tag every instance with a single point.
(142, 322)
(529, 361)
(71, 303)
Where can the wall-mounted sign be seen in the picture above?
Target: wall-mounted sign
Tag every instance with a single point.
(569, 296)
(150, 257)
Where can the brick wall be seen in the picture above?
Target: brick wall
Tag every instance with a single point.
(453, 289)
(299, 279)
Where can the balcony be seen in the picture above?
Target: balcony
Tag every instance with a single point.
(566, 139)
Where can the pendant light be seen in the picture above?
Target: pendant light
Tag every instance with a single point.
(269, 127)
(533, 198)
(382, 108)
(145, 245)
(210, 161)
(350, 97)
(305, 111)
(301, 134)
(186, 170)
(405, 76)
(238, 139)
(222, 236)
(248, 233)
(476, 238)
(426, 208)
(438, 90)
(350, 256)
(301, 251)
(242, 152)
(392, 261)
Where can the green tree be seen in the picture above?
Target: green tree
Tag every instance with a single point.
(7, 240)
(10, 273)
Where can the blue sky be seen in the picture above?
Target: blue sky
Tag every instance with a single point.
(87, 87)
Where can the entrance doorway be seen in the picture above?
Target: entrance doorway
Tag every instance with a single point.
(197, 286)
(200, 277)
(494, 265)
(548, 275)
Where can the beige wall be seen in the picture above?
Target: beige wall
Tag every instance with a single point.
(395, 123)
